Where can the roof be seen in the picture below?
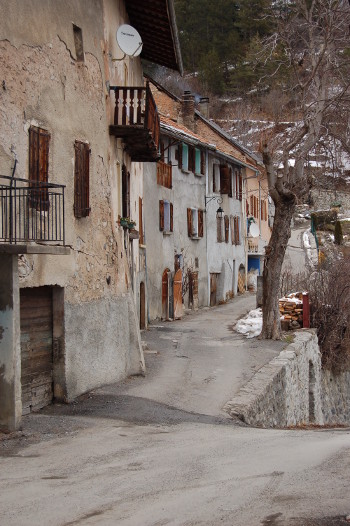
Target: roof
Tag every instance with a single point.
(155, 21)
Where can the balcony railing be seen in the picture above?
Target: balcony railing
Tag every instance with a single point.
(136, 121)
(253, 246)
(31, 211)
(164, 174)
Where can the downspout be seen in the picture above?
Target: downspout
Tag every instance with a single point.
(206, 223)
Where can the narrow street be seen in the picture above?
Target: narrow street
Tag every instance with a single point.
(159, 450)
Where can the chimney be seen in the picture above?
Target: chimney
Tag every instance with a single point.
(204, 106)
(188, 109)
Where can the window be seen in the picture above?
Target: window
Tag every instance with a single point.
(141, 238)
(238, 185)
(254, 206)
(191, 159)
(125, 192)
(165, 216)
(39, 142)
(226, 180)
(78, 43)
(216, 178)
(81, 179)
(195, 222)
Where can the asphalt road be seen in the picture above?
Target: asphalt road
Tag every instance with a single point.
(159, 451)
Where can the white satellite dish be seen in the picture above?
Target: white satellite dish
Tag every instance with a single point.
(254, 230)
(129, 40)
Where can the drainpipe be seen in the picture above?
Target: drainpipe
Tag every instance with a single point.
(206, 223)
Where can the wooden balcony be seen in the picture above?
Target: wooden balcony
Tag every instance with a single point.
(164, 174)
(136, 121)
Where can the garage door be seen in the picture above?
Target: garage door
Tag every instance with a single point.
(36, 348)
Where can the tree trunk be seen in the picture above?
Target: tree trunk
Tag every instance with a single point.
(275, 251)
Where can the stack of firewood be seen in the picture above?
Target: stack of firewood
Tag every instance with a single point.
(291, 310)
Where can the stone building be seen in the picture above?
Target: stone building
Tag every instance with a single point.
(77, 124)
(196, 202)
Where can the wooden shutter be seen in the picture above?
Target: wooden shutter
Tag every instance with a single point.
(125, 192)
(232, 225)
(141, 240)
(214, 181)
(230, 183)
(224, 179)
(189, 222)
(179, 155)
(240, 194)
(162, 150)
(200, 223)
(161, 215)
(227, 228)
(236, 230)
(39, 143)
(251, 206)
(81, 179)
(202, 162)
(265, 208)
(171, 217)
(236, 185)
(191, 159)
(219, 229)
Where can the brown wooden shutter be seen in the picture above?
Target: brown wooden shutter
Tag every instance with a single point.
(230, 183)
(162, 150)
(171, 217)
(219, 229)
(189, 222)
(265, 207)
(39, 143)
(161, 215)
(236, 230)
(200, 223)
(191, 159)
(81, 179)
(141, 240)
(224, 179)
(227, 228)
(179, 155)
(232, 228)
(236, 185)
(240, 194)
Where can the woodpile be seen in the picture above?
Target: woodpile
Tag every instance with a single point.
(291, 311)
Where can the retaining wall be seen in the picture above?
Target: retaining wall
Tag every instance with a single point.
(287, 391)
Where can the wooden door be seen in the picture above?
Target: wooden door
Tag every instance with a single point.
(36, 347)
(142, 306)
(213, 287)
(178, 308)
(165, 295)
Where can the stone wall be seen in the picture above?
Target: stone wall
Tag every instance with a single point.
(336, 398)
(324, 199)
(286, 391)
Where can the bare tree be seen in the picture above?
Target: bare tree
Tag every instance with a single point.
(311, 48)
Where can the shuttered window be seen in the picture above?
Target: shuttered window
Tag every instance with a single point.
(263, 209)
(39, 142)
(81, 179)
(235, 222)
(185, 159)
(195, 222)
(226, 180)
(166, 214)
(220, 229)
(125, 192)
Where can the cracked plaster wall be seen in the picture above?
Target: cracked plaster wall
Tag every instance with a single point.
(42, 84)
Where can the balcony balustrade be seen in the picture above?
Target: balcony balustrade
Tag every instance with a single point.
(136, 121)
(31, 211)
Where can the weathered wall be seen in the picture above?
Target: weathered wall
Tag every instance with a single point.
(286, 391)
(336, 397)
(324, 199)
(44, 85)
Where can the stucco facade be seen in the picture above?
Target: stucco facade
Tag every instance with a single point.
(57, 65)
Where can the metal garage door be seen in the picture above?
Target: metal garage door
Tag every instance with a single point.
(36, 348)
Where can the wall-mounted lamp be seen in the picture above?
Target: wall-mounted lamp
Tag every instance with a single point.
(220, 213)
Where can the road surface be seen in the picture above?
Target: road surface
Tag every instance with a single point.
(159, 451)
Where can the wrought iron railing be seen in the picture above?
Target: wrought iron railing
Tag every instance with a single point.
(135, 106)
(31, 211)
